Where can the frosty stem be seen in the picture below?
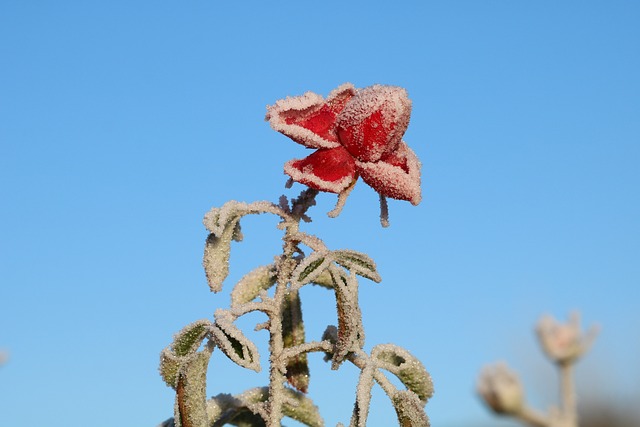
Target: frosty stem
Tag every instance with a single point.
(284, 267)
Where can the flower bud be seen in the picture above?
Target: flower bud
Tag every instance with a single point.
(501, 389)
(564, 342)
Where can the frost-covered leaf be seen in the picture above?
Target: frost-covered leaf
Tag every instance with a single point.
(324, 279)
(238, 410)
(406, 367)
(357, 262)
(410, 409)
(190, 406)
(295, 405)
(169, 367)
(225, 409)
(223, 224)
(310, 268)
(217, 220)
(301, 408)
(363, 398)
(250, 286)
(185, 344)
(233, 343)
(350, 329)
(216, 258)
(293, 334)
(188, 340)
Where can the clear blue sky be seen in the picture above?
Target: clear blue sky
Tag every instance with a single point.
(123, 122)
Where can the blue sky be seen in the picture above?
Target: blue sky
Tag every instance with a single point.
(122, 123)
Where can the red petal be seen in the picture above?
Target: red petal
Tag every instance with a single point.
(309, 119)
(329, 170)
(396, 175)
(373, 122)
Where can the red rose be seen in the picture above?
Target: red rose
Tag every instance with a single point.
(356, 132)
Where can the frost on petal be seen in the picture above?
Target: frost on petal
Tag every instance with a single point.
(309, 119)
(331, 170)
(373, 122)
(396, 175)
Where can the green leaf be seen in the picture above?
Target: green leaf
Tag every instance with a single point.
(233, 343)
(250, 286)
(297, 372)
(357, 262)
(350, 329)
(188, 340)
(169, 367)
(225, 409)
(324, 279)
(185, 344)
(410, 409)
(310, 268)
(406, 367)
(216, 258)
(234, 410)
(223, 224)
(301, 408)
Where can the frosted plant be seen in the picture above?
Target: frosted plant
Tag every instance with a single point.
(501, 390)
(356, 133)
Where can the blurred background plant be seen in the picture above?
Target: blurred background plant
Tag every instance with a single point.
(563, 343)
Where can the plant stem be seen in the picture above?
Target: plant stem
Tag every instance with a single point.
(276, 343)
(532, 417)
(360, 360)
(284, 267)
(568, 405)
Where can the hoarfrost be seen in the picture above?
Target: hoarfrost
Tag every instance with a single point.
(363, 397)
(362, 136)
(409, 409)
(288, 116)
(233, 343)
(250, 286)
(394, 179)
(406, 367)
